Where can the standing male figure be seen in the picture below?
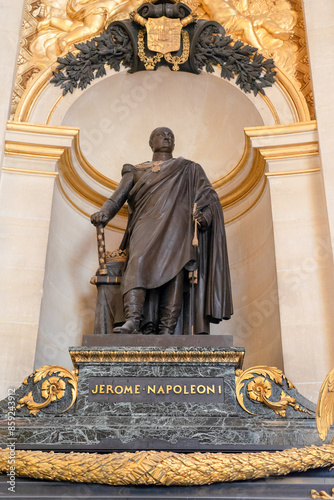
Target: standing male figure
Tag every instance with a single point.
(161, 196)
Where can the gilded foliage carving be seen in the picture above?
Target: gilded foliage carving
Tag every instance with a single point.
(325, 406)
(156, 356)
(165, 468)
(49, 384)
(267, 387)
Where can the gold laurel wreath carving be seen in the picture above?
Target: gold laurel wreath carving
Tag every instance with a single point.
(259, 389)
(322, 494)
(165, 468)
(52, 388)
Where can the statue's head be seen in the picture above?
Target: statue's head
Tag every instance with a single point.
(162, 140)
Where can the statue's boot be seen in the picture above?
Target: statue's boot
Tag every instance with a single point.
(133, 305)
(170, 305)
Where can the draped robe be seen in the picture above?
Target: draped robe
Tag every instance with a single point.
(160, 231)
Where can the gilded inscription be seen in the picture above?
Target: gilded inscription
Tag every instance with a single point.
(157, 389)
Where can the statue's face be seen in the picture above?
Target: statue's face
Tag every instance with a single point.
(162, 140)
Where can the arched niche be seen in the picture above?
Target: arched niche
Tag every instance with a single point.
(115, 116)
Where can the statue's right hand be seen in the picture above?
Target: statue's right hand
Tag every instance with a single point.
(99, 218)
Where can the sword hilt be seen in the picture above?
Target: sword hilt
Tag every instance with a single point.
(101, 249)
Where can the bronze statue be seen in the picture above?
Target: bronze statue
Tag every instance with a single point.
(167, 199)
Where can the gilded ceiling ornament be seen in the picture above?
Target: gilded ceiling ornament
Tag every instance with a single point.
(74, 21)
(51, 27)
(267, 25)
(161, 468)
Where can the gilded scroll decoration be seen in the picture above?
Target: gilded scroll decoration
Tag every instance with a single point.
(165, 468)
(49, 384)
(262, 385)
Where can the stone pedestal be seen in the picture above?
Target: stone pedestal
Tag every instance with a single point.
(149, 392)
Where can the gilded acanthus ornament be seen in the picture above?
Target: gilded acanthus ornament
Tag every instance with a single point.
(325, 406)
(165, 468)
(50, 383)
(257, 385)
(156, 356)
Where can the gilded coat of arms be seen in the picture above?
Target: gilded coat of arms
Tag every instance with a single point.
(163, 34)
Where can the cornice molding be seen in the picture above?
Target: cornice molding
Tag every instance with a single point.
(62, 146)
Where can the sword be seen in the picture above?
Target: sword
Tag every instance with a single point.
(101, 249)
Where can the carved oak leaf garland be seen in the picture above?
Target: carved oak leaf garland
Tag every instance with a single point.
(112, 48)
(211, 48)
(252, 70)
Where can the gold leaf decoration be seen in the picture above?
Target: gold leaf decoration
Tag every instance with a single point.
(258, 388)
(322, 494)
(325, 407)
(256, 383)
(52, 389)
(170, 356)
(165, 468)
(51, 28)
